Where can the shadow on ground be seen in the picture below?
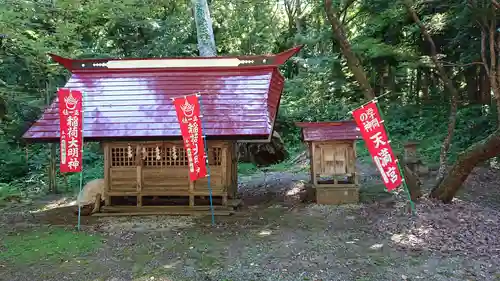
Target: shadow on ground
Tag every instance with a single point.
(274, 237)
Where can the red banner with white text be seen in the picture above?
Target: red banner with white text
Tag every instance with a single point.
(71, 131)
(188, 115)
(373, 131)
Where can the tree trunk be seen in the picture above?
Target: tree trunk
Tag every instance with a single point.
(418, 86)
(490, 146)
(298, 17)
(445, 147)
(466, 162)
(52, 169)
(204, 30)
(264, 154)
(352, 60)
(448, 85)
(3, 108)
(471, 78)
(411, 87)
(484, 87)
(425, 85)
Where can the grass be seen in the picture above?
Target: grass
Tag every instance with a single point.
(286, 166)
(53, 244)
(7, 191)
(258, 245)
(247, 169)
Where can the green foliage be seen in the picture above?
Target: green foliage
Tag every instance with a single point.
(246, 169)
(288, 165)
(319, 86)
(8, 191)
(13, 164)
(429, 124)
(48, 245)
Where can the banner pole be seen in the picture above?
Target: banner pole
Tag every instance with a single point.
(81, 165)
(412, 204)
(204, 136)
(403, 180)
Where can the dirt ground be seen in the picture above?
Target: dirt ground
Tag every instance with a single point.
(273, 237)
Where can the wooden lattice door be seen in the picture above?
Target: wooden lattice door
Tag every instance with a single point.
(334, 159)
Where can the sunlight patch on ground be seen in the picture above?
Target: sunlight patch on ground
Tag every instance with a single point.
(294, 190)
(415, 238)
(152, 278)
(407, 239)
(265, 233)
(376, 246)
(494, 163)
(60, 203)
(172, 264)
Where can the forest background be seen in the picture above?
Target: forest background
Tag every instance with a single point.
(400, 66)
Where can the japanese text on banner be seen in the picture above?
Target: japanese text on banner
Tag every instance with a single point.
(71, 132)
(188, 115)
(373, 131)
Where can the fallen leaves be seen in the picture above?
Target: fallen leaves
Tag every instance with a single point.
(125, 227)
(460, 228)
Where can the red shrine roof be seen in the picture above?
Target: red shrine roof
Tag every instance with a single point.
(327, 131)
(131, 98)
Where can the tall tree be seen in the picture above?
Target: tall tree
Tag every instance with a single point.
(448, 85)
(274, 152)
(204, 30)
(356, 68)
(487, 13)
(351, 58)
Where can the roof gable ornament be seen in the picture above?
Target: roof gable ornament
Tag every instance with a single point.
(166, 63)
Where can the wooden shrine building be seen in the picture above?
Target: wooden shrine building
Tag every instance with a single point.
(332, 153)
(128, 109)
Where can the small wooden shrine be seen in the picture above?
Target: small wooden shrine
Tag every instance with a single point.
(128, 109)
(332, 150)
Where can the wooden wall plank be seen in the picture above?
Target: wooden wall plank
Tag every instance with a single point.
(147, 174)
(107, 178)
(139, 163)
(314, 161)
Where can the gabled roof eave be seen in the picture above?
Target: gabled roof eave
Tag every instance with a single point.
(132, 64)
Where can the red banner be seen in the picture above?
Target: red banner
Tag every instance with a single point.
(188, 115)
(372, 129)
(71, 131)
